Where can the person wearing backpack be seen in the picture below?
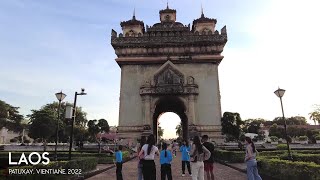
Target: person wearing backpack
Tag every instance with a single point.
(198, 154)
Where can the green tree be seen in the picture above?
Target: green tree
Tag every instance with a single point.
(253, 125)
(315, 115)
(160, 131)
(10, 117)
(278, 121)
(79, 132)
(277, 131)
(179, 130)
(42, 125)
(295, 131)
(294, 120)
(231, 125)
(81, 116)
(297, 120)
(95, 127)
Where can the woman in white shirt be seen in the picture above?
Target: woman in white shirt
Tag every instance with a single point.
(147, 152)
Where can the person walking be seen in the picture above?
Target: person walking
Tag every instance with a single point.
(147, 152)
(143, 141)
(250, 159)
(118, 155)
(208, 164)
(198, 154)
(185, 157)
(165, 161)
(174, 148)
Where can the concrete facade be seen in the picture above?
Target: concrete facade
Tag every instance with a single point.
(170, 68)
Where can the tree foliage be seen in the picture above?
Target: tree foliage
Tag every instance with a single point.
(294, 120)
(51, 111)
(231, 125)
(81, 116)
(276, 131)
(42, 124)
(95, 127)
(179, 130)
(160, 131)
(10, 117)
(315, 115)
(253, 125)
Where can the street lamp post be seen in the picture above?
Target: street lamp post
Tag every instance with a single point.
(74, 118)
(60, 96)
(280, 92)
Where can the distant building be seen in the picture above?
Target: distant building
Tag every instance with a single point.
(6, 135)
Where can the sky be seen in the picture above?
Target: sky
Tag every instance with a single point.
(48, 46)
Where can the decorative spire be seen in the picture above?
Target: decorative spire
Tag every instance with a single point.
(167, 4)
(202, 14)
(134, 14)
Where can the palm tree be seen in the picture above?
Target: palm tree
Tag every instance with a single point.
(179, 130)
(315, 116)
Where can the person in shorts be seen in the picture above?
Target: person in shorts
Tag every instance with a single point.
(208, 164)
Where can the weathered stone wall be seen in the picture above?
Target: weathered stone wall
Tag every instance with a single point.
(207, 104)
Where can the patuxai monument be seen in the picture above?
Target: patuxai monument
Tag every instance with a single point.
(169, 67)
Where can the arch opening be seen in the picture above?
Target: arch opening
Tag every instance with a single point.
(170, 123)
(170, 104)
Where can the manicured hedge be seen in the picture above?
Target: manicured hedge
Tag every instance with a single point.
(238, 156)
(303, 157)
(307, 151)
(282, 146)
(287, 170)
(229, 156)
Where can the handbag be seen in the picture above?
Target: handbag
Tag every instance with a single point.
(194, 157)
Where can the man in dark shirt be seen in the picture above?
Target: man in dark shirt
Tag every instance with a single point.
(208, 164)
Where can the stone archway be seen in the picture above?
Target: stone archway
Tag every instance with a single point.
(170, 104)
(168, 60)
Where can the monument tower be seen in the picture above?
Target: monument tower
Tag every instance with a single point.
(169, 67)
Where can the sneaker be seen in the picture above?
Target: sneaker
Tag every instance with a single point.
(183, 175)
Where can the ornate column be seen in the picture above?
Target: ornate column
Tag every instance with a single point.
(146, 110)
(192, 118)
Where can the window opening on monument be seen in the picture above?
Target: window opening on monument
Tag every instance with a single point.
(169, 122)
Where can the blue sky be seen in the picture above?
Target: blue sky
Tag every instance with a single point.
(48, 46)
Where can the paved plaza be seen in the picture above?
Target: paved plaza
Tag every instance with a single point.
(130, 171)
